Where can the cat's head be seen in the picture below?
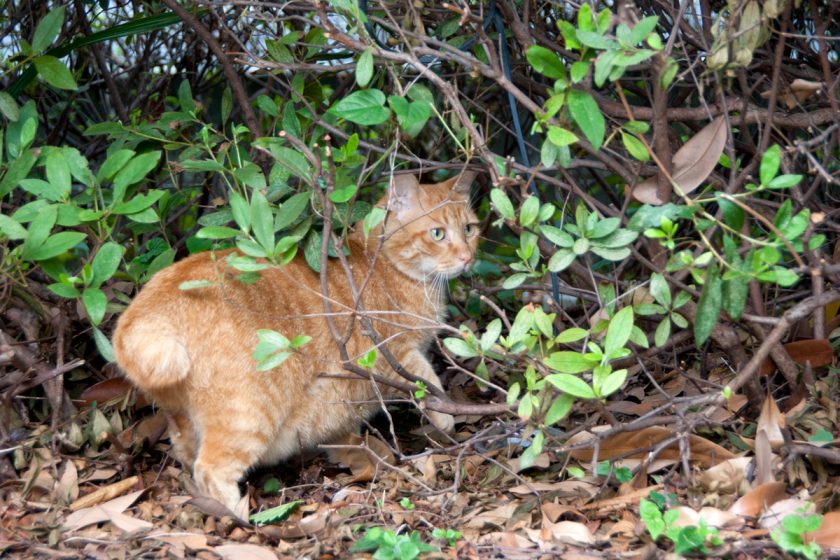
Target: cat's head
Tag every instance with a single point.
(430, 230)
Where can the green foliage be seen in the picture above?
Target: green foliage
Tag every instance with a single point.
(449, 535)
(790, 535)
(387, 545)
(691, 539)
(275, 514)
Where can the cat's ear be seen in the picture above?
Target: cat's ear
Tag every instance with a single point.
(402, 193)
(463, 183)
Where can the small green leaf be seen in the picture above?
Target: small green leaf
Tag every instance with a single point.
(47, 29)
(55, 72)
(568, 362)
(104, 345)
(561, 136)
(770, 162)
(559, 409)
(262, 221)
(459, 347)
(784, 182)
(412, 116)
(545, 62)
(275, 514)
(635, 147)
(618, 333)
(708, 307)
(663, 331)
(133, 172)
(106, 262)
(734, 294)
(612, 383)
(587, 116)
(365, 107)
(561, 260)
(9, 107)
(571, 385)
(218, 232)
(11, 228)
(56, 245)
(502, 204)
(95, 302)
(364, 68)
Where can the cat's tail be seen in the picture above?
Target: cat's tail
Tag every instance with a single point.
(150, 352)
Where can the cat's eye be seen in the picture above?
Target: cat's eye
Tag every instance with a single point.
(437, 233)
(470, 230)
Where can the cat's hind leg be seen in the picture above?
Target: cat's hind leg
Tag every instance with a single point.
(183, 435)
(226, 452)
(415, 362)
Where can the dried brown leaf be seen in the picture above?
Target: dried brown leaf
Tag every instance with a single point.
(637, 444)
(828, 535)
(191, 541)
(725, 477)
(109, 511)
(105, 493)
(759, 498)
(691, 165)
(816, 351)
(215, 508)
(245, 552)
(771, 421)
(67, 487)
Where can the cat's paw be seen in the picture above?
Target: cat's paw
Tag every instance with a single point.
(443, 422)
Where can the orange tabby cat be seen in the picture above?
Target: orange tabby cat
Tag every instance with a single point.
(191, 350)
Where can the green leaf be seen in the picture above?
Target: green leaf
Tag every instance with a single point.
(529, 211)
(545, 62)
(635, 147)
(291, 210)
(262, 221)
(291, 159)
(47, 29)
(58, 172)
(560, 136)
(411, 116)
(568, 362)
(502, 204)
(460, 347)
(557, 236)
(571, 335)
(559, 409)
(784, 182)
(514, 280)
(138, 203)
(364, 68)
(275, 514)
(587, 116)
(571, 385)
(133, 172)
(56, 245)
(312, 250)
(770, 162)
(106, 262)
(652, 518)
(579, 70)
(218, 232)
(9, 107)
(612, 383)
(660, 290)
(113, 163)
(11, 228)
(64, 290)
(185, 96)
(104, 345)
(643, 29)
(95, 302)
(595, 40)
(365, 107)
(618, 333)
(708, 307)
(734, 294)
(561, 260)
(55, 72)
(663, 331)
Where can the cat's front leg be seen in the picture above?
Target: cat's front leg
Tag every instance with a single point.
(415, 362)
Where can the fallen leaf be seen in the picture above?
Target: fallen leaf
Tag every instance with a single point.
(192, 541)
(774, 514)
(565, 488)
(105, 493)
(713, 517)
(109, 511)
(816, 351)
(691, 164)
(359, 459)
(725, 477)
(572, 532)
(771, 421)
(67, 487)
(215, 508)
(109, 390)
(244, 552)
(759, 498)
(639, 443)
(828, 535)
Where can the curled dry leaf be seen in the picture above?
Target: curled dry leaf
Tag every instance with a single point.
(691, 165)
(713, 517)
(215, 508)
(638, 444)
(572, 532)
(67, 487)
(771, 420)
(756, 500)
(105, 493)
(725, 477)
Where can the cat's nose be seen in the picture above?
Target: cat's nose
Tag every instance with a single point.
(465, 256)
